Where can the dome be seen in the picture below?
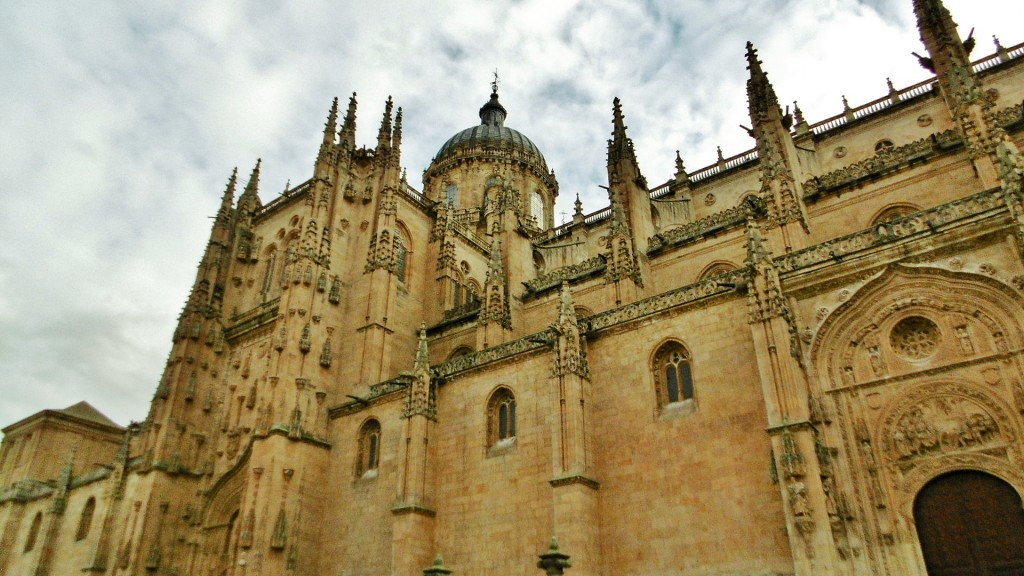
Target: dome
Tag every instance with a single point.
(489, 137)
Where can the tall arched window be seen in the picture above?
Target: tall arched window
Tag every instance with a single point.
(501, 417)
(401, 254)
(270, 257)
(537, 208)
(673, 374)
(369, 449)
(33, 532)
(85, 520)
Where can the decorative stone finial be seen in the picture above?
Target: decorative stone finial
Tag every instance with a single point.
(438, 569)
(680, 168)
(554, 562)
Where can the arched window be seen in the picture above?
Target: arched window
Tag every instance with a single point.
(270, 257)
(369, 449)
(401, 254)
(501, 417)
(892, 212)
(85, 520)
(460, 351)
(473, 293)
(537, 208)
(33, 532)
(716, 268)
(673, 374)
(451, 194)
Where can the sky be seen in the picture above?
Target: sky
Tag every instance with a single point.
(120, 125)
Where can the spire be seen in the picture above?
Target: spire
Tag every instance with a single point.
(577, 214)
(495, 306)
(332, 125)
(621, 156)
(940, 38)
(249, 201)
(384, 135)
(227, 201)
(348, 127)
(761, 99)
(396, 136)
(569, 353)
(421, 400)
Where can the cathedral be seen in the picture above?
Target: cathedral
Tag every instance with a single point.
(805, 359)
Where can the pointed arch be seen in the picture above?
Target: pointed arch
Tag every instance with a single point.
(270, 258)
(671, 367)
(715, 268)
(368, 452)
(403, 251)
(501, 417)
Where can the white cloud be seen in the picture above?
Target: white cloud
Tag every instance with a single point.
(122, 123)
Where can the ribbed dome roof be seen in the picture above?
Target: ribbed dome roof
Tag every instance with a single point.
(490, 133)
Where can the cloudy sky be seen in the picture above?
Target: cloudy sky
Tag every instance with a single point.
(121, 122)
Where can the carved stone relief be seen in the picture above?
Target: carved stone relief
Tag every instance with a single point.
(936, 421)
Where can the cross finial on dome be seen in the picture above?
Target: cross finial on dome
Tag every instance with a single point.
(495, 82)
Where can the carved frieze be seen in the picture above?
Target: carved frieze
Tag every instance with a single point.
(935, 421)
(892, 231)
(886, 161)
(559, 275)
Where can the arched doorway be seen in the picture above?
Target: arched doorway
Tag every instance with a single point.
(970, 523)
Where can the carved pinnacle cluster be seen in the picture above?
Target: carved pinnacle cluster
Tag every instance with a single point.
(570, 355)
(327, 152)
(621, 155)
(421, 400)
(761, 99)
(494, 307)
(347, 136)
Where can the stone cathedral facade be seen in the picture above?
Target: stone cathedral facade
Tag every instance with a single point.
(804, 359)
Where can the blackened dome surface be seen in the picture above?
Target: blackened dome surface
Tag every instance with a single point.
(491, 135)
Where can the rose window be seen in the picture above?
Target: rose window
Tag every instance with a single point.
(915, 338)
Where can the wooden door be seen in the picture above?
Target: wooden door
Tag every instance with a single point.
(970, 524)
